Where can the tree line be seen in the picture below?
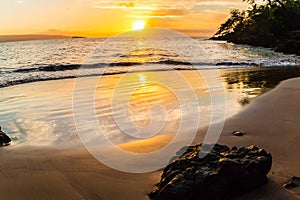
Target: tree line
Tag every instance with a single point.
(271, 23)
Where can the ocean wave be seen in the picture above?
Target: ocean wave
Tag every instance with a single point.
(237, 64)
(29, 78)
(55, 68)
(65, 71)
(48, 68)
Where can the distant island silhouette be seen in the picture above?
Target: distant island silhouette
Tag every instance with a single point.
(14, 38)
(77, 37)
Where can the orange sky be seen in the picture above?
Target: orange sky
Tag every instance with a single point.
(107, 17)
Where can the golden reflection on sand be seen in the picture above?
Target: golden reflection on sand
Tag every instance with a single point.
(146, 91)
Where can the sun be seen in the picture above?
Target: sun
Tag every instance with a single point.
(138, 25)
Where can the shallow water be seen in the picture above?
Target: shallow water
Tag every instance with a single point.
(167, 90)
(41, 113)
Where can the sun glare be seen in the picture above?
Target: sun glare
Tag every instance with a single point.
(143, 80)
(138, 25)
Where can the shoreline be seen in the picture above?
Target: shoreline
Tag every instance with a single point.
(54, 173)
(250, 68)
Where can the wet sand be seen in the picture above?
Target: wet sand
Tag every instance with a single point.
(271, 121)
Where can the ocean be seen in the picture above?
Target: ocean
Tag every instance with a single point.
(32, 61)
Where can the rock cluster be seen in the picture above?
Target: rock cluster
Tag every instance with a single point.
(224, 173)
(4, 138)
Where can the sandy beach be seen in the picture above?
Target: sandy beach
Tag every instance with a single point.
(132, 100)
(271, 121)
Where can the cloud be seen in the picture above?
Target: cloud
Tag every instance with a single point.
(169, 7)
(128, 5)
(160, 13)
(117, 4)
(217, 5)
(170, 12)
(139, 4)
(175, 13)
(55, 31)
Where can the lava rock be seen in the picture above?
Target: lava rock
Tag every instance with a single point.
(238, 133)
(293, 183)
(296, 179)
(223, 174)
(290, 185)
(4, 138)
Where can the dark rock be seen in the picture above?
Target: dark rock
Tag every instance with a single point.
(238, 133)
(293, 183)
(223, 174)
(296, 179)
(4, 138)
(290, 185)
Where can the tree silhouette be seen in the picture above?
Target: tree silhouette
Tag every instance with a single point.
(273, 23)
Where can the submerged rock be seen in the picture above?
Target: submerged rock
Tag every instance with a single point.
(4, 138)
(238, 133)
(224, 173)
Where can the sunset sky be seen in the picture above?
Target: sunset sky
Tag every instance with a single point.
(108, 17)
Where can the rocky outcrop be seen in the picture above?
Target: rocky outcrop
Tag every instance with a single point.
(224, 173)
(4, 138)
(289, 45)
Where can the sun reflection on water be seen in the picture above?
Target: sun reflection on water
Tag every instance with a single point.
(143, 80)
